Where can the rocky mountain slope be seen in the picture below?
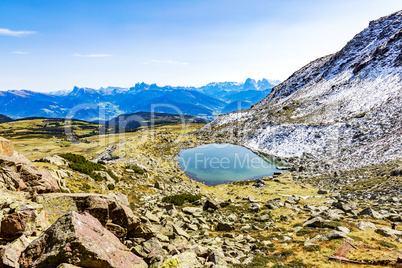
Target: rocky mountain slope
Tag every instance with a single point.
(176, 222)
(339, 112)
(105, 103)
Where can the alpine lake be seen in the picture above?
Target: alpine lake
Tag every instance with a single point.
(214, 164)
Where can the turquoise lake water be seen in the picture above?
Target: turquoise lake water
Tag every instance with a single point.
(215, 164)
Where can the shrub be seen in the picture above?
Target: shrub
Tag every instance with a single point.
(303, 231)
(136, 169)
(356, 238)
(360, 115)
(312, 248)
(110, 187)
(111, 174)
(180, 199)
(331, 224)
(259, 261)
(280, 256)
(82, 165)
(387, 244)
(86, 186)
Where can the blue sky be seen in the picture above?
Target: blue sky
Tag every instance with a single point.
(50, 45)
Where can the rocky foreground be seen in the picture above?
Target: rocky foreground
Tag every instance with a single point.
(276, 221)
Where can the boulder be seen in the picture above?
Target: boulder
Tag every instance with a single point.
(54, 160)
(343, 229)
(184, 260)
(160, 185)
(334, 234)
(192, 210)
(255, 207)
(17, 173)
(216, 255)
(370, 213)
(274, 203)
(11, 253)
(225, 227)
(151, 217)
(180, 232)
(322, 191)
(15, 224)
(315, 222)
(105, 207)
(78, 239)
(6, 147)
(364, 225)
(389, 232)
(211, 204)
(61, 176)
(344, 206)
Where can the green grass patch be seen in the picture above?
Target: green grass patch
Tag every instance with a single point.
(280, 256)
(303, 232)
(259, 261)
(360, 115)
(136, 169)
(180, 199)
(82, 165)
(387, 244)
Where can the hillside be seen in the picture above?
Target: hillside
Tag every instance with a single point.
(5, 119)
(339, 112)
(37, 127)
(146, 119)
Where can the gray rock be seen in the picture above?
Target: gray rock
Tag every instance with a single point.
(211, 204)
(151, 217)
(254, 207)
(334, 234)
(370, 213)
(364, 225)
(343, 229)
(274, 204)
(179, 231)
(184, 260)
(315, 222)
(192, 210)
(216, 255)
(389, 232)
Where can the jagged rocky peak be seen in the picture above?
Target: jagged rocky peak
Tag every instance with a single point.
(342, 110)
(376, 52)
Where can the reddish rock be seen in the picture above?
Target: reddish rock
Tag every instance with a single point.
(106, 208)
(15, 224)
(19, 173)
(81, 240)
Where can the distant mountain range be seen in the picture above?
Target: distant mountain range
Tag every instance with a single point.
(105, 103)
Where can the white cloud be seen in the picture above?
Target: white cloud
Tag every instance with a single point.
(8, 32)
(20, 52)
(165, 62)
(91, 55)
